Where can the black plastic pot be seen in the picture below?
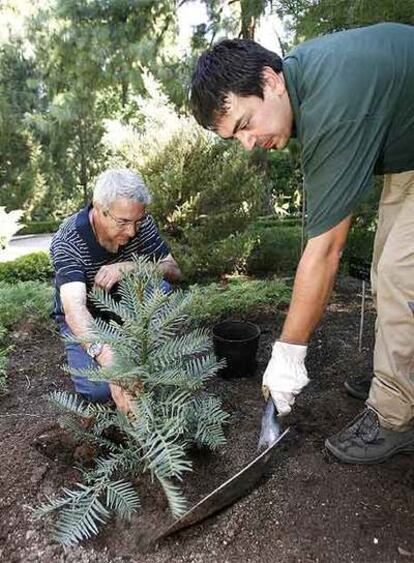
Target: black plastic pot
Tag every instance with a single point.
(237, 343)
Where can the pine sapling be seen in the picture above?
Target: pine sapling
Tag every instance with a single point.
(163, 362)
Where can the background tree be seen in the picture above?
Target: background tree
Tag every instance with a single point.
(309, 18)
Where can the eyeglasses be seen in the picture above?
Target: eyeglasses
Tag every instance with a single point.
(122, 223)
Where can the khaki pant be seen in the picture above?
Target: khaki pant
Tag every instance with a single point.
(392, 275)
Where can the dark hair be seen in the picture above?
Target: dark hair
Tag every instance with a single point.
(233, 65)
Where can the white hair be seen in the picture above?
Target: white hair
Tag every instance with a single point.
(120, 182)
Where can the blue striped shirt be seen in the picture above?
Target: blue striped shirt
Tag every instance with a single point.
(77, 256)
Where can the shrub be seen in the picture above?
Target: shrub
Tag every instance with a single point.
(24, 300)
(239, 296)
(227, 256)
(32, 267)
(164, 365)
(39, 227)
(284, 181)
(359, 245)
(360, 242)
(205, 203)
(273, 220)
(276, 250)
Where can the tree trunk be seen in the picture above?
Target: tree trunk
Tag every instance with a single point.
(251, 10)
(83, 170)
(124, 93)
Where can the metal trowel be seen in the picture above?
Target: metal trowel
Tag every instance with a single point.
(238, 485)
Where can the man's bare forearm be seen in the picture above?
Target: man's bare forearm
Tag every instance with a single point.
(314, 281)
(77, 316)
(170, 270)
(312, 289)
(79, 321)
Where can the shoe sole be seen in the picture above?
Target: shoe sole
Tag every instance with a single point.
(340, 455)
(354, 393)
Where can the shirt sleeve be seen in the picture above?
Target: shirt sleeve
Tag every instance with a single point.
(68, 267)
(338, 168)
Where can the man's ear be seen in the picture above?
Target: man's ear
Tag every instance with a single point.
(273, 80)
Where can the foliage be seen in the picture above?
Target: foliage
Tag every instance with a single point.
(238, 296)
(205, 192)
(265, 221)
(17, 96)
(9, 225)
(360, 241)
(164, 365)
(39, 227)
(277, 249)
(228, 256)
(237, 18)
(72, 65)
(31, 267)
(24, 300)
(360, 244)
(309, 18)
(284, 182)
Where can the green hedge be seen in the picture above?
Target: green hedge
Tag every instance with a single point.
(39, 227)
(32, 267)
(274, 221)
(360, 244)
(276, 250)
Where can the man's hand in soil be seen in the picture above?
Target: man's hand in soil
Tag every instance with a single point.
(285, 375)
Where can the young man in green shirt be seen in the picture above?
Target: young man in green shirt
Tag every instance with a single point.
(348, 97)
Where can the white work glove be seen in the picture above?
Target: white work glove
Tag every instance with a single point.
(285, 375)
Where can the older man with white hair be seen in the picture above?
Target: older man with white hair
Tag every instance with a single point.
(93, 248)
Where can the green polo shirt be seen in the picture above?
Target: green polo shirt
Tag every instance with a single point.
(352, 95)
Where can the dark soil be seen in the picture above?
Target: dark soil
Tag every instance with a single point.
(308, 508)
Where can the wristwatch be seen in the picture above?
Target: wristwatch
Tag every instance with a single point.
(93, 350)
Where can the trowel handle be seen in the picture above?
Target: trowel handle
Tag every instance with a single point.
(270, 429)
(270, 409)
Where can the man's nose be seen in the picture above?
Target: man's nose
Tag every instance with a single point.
(247, 140)
(132, 230)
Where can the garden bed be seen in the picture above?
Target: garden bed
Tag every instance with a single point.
(308, 508)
